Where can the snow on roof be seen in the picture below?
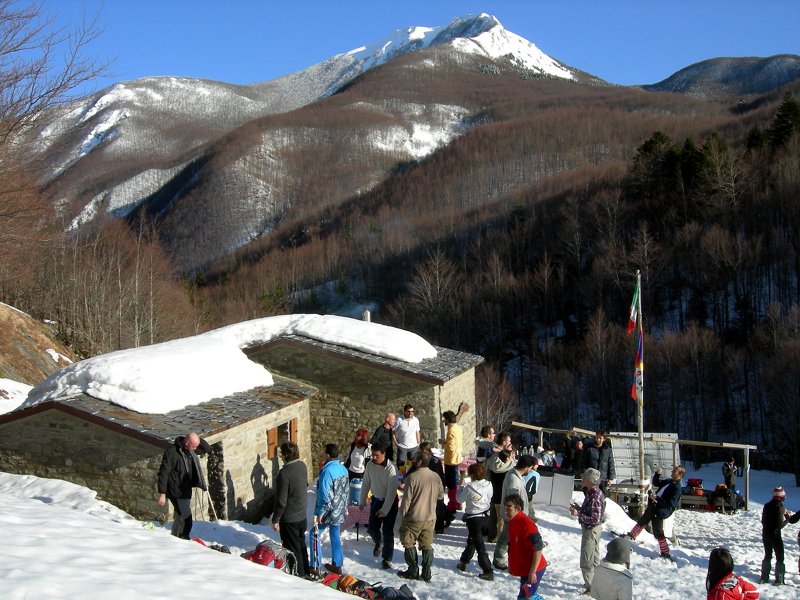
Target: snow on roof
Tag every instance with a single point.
(172, 375)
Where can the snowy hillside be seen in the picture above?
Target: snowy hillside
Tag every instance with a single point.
(60, 541)
(146, 140)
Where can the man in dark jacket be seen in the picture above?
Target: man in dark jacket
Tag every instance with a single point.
(180, 472)
(597, 454)
(729, 474)
(289, 517)
(383, 436)
(661, 505)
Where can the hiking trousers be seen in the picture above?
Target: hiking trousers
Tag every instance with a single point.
(293, 539)
(477, 528)
(181, 517)
(590, 553)
(381, 529)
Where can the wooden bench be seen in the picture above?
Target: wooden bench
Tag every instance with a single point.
(692, 502)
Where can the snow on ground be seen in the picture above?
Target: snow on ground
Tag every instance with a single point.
(168, 376)
(12, 394)
(60, 541)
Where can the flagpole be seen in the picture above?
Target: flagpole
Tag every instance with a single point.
(640, 406)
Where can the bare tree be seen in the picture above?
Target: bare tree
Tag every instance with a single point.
(40, 65)
(496, 402)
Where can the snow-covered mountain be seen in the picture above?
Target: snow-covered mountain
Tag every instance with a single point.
(147, 142)
(481, 35)
(219, 165)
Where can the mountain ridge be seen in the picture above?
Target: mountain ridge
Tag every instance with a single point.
(731, 77)
(158, 143)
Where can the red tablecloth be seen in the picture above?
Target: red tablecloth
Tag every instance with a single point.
(356, 516)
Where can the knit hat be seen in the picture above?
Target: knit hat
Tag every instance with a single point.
(618, 551)
(779, 493)
(592, 476)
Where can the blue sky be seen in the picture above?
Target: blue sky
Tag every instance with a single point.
(248, 41)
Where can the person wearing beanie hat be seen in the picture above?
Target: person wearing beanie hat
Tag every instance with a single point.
(612, 579)
(664, 499)
(590, 516)
(773, 517)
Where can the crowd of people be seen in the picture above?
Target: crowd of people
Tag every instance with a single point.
(496, 499)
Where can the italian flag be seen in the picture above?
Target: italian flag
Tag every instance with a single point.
(634, 309)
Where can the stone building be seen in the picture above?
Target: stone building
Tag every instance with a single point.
(117, 452)
(357, 389)
(322, 393)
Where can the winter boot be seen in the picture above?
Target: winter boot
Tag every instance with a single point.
(427, 563)
(412, 572)
(780, 572)
(765, 567)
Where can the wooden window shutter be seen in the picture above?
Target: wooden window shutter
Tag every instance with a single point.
(272, 443)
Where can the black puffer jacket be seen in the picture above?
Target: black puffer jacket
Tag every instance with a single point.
(601, 459)
(772, 518)
(180, 470)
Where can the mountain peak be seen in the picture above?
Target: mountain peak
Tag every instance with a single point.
(477, 34)
(470, 26)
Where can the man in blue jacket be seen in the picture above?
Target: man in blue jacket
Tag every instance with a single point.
(662, 504)
(333, 493)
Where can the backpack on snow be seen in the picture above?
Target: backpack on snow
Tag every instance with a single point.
(361, 589)
(269, 552)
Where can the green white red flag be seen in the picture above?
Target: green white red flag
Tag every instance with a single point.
(634, 309)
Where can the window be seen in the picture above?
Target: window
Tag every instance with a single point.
(285, 432)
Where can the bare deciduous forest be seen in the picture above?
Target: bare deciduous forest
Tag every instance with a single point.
(519, 240)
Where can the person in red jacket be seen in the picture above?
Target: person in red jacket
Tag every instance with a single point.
(525, 558)
(721, 583)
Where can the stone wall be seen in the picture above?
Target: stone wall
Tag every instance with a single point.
(355, 395)
(57, 445)
(243, 477)
(123, 470)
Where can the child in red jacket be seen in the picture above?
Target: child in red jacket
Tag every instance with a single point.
(525, 558)
(721, 583)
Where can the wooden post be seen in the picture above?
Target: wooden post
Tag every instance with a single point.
(746, 474)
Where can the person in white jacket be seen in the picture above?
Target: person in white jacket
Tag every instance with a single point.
(476, 497)
(612, 578)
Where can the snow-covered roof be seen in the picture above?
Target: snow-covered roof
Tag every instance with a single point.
(170, 376)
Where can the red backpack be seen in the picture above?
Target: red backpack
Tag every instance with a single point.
(270, 553)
